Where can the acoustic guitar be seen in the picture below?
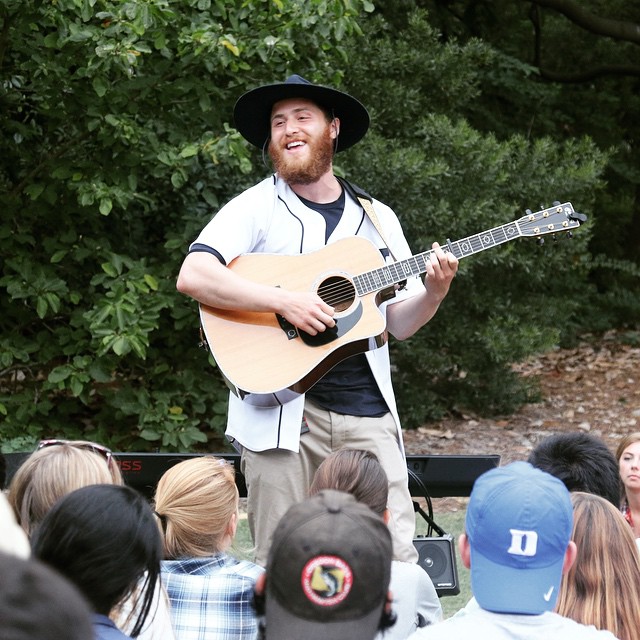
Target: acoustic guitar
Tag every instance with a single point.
(267, 361)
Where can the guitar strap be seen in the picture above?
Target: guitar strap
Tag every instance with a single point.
(366, 201)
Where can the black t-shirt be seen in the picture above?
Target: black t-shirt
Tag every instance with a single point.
(349, 388)
(330, 211)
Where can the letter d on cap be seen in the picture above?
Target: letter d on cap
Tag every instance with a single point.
(523, 543)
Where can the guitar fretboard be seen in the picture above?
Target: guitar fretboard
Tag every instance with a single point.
(415, 265)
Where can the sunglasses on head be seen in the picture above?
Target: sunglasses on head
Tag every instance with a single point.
(101, 450)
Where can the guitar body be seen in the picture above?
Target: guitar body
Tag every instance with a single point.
(259, 353)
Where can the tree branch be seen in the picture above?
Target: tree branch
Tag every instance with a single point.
(586, 76)
(617, 29)
(4, 35)
(583, 76)
(534, 16)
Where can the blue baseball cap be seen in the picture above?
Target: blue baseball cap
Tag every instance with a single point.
(519, 522)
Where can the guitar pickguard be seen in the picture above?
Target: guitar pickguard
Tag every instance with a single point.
(338, 292)
(343, 325)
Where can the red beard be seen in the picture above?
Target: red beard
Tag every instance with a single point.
(308, 170)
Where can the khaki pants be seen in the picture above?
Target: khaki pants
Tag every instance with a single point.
(278, 478)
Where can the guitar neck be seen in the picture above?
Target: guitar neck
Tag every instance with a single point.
(392, 274)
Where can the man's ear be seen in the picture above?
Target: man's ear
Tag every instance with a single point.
(388, 617)
(570, 556)
(259, 600)
(260, 584)
(465, 550)
(335, 127)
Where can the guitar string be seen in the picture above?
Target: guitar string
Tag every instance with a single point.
(343, 291)
(373, 280)
(386, 276)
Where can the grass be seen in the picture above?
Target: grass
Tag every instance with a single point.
(451, 522)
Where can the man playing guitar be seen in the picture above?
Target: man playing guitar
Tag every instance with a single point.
(296, 211)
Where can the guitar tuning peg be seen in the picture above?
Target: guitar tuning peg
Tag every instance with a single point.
(540, 241)
(556, 203)
(528, 212)
(569, 234)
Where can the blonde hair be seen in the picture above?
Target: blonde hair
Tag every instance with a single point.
(195, 501)
(602, 588)
(52, 472)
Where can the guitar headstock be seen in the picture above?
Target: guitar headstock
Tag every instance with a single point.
(559, 217)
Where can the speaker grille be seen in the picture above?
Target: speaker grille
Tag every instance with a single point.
(437, 557)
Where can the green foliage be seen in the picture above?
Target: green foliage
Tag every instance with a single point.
(116, 149)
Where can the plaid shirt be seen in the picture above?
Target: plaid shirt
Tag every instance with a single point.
(210, 598)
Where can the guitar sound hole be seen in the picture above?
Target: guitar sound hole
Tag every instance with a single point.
(337, 292)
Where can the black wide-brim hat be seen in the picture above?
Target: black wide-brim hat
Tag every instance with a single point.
(252, 112)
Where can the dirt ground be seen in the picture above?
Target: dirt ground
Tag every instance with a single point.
(594, 387)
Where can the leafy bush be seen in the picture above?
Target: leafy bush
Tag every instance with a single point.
(116, 149)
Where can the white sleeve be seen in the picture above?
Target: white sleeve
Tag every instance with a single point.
(241, 225)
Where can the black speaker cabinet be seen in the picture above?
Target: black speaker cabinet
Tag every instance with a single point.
(438, 558)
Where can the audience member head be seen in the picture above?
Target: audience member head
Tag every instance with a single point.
(328, 572)
(56, 468)
(602, 588)
(13, 539)
(582, 461)
(36, 603)
(628, 456)
(357, 472)
(197, 503)
(517, 542)
(104, 538)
